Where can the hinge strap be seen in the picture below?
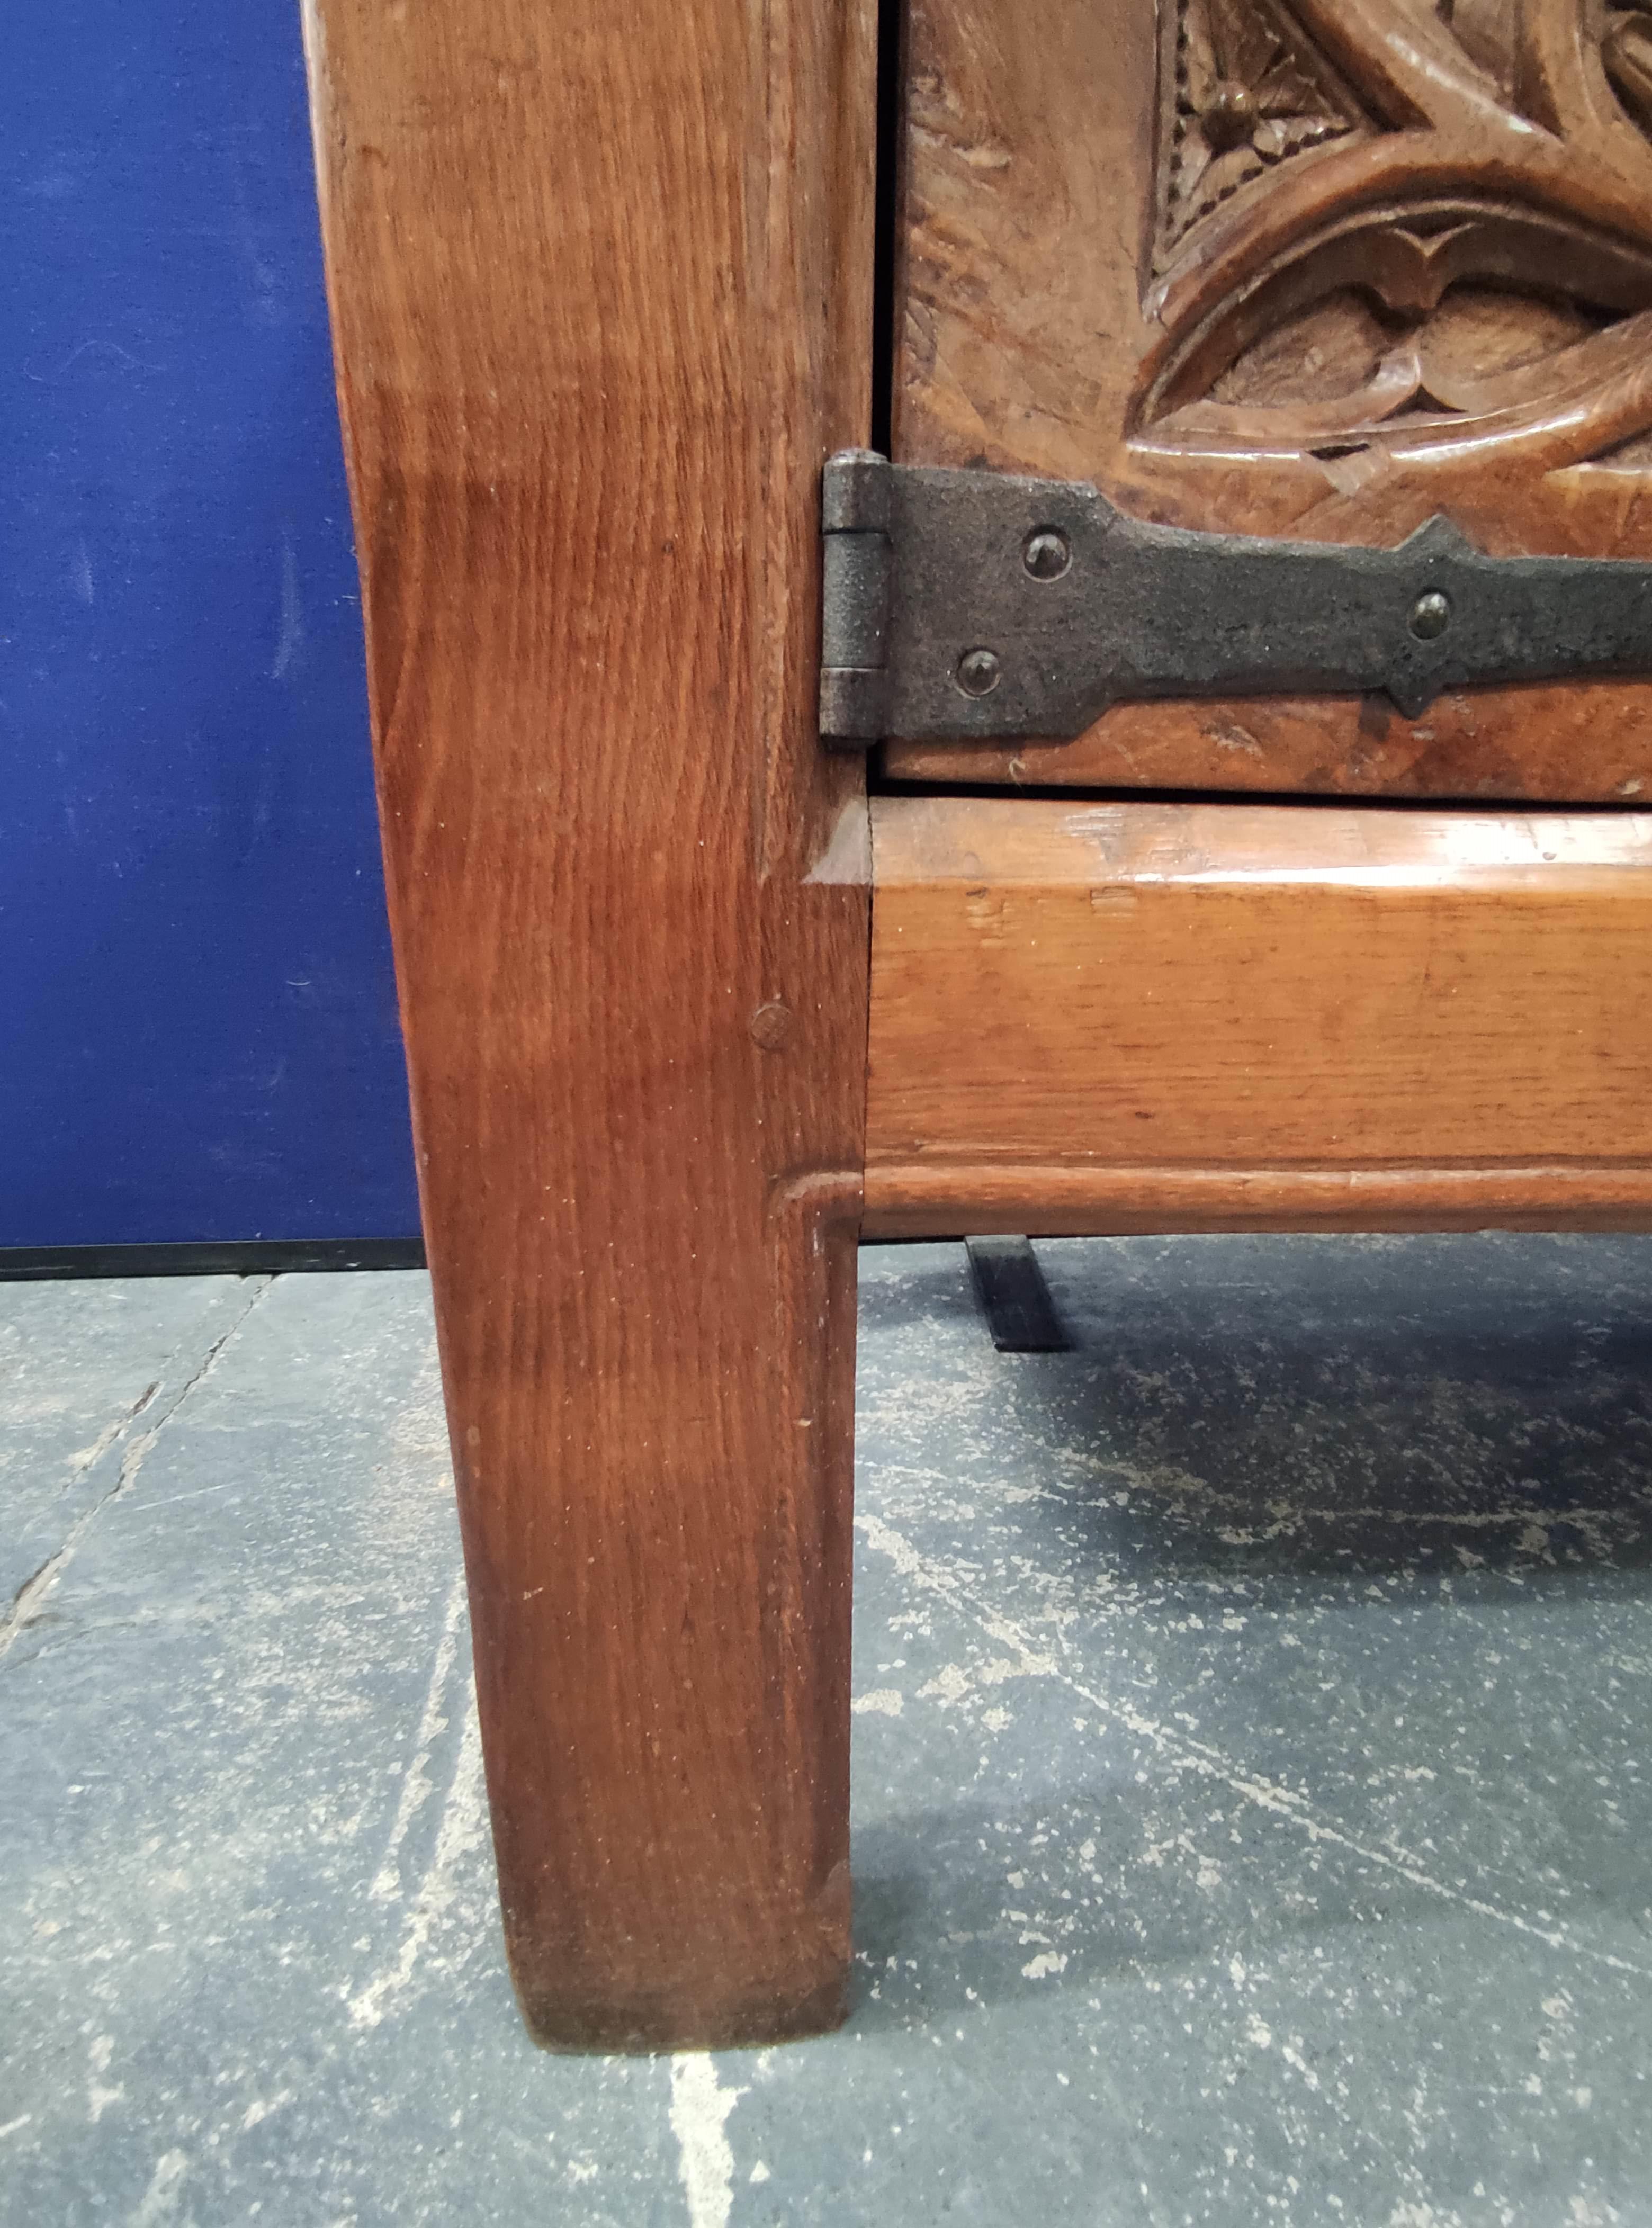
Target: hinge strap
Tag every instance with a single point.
(972, 604)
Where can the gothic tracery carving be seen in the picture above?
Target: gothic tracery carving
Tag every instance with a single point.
(1626, 50)
(1399, 222)
(1244, 93)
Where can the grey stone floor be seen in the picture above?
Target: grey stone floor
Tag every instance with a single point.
(1250, 1817)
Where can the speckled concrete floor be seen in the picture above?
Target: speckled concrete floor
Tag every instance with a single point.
(1251, 1819)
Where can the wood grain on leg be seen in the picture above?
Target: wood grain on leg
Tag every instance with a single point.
(600, 286)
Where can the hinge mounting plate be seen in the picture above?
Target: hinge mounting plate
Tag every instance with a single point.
(977, 605)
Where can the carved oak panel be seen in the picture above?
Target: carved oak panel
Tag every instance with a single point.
(1315, 267)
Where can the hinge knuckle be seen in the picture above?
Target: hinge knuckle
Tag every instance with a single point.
(857, 571)
(857, 579)
(855, 492)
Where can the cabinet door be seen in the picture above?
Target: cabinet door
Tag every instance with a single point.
(1315, 268)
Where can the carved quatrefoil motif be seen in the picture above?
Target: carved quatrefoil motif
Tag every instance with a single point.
(1394, 222)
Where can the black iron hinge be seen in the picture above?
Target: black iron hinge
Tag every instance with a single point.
(967, 604)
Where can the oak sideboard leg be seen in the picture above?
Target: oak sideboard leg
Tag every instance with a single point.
(601, 286)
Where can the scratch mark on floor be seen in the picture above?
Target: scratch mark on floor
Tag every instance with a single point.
(1189, 1755)
(463, 1824)
(81, 1461)
(416, 1786)
(699, 2110)
(29, 1601)
(160, 2199)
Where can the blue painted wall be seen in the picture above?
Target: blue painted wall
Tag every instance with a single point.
(198, 1036)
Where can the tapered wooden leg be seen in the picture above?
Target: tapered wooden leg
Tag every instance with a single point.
(601, 291)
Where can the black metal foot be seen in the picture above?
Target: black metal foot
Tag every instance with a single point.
(1015, 1298)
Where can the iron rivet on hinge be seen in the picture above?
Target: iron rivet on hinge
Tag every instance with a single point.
(979, 672)
(1045, 554)
(1430, 616)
